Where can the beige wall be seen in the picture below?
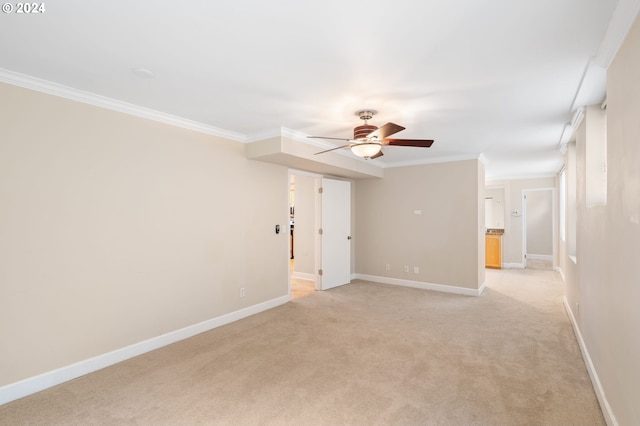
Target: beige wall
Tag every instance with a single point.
(116, 229)
(494, 207)
(604, 291)
(446, 241)
(539, 222)
(480, 229)
(512, 238)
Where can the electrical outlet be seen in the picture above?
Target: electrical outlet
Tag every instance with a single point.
(406, 269)
(416, 270)
(241, 291)
(387, 267)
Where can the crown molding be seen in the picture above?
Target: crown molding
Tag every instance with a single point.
(295, 135)
(621, 21)
(577, 118)
(501, 177)
(55, 89)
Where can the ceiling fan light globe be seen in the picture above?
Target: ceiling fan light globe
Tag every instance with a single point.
(366, 149)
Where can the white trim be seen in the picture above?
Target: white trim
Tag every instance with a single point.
(607, 412)
(304, 276)
(523, 203)
(46, 380)
(565, 137)
(317, 224)
(422, 285)
(513, 265)
(577, 118)
(623, 18)
(33, 83)
(539, 256)
(507, 176)
(494, 186)
(561, 272)
(297, 172)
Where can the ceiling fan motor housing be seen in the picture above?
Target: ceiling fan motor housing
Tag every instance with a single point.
(361, 132)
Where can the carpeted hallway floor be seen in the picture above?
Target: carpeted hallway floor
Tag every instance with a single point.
(361, 354)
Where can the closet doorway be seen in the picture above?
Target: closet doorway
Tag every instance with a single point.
(303, 256)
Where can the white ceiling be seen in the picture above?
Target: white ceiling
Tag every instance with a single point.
(492, 77)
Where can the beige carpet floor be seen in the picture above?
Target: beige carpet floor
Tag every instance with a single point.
(301, 288)
(361, 354)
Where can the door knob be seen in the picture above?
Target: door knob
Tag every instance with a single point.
(348, 237)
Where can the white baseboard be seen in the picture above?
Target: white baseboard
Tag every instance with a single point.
(607, 412)
(419, 284)
(303, 276)
(43, 381)
(513, 266)
(539, 256)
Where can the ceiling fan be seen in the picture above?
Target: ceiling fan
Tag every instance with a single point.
(368, 140)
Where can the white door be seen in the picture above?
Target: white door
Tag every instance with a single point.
(336, 233)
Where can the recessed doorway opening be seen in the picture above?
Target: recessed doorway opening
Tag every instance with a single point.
(302, 219)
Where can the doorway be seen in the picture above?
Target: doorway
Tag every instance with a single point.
(320, 233)
(302, 222)
(538, 232)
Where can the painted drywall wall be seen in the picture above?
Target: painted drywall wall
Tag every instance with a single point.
(494, 207)
(116, 229)
(481, 231)
(566, 264)
(512, 253)
(604, 291)
(443, 241)
(539, 222)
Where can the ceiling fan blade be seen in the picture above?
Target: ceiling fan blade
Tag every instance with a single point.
(421, 143)
(324, 137)
(333, 149)
(379, 154)
(386, 130)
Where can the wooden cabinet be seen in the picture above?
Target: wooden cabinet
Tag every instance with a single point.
(493, 251)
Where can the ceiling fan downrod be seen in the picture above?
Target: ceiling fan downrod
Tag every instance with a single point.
(361, 132)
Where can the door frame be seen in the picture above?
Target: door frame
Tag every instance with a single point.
(317, 220)
(317, 259)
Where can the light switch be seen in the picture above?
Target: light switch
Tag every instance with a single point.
(417, 212)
